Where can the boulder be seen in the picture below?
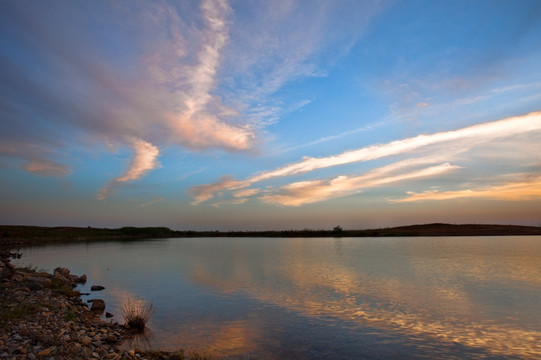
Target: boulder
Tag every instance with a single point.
(98, 305)
(62, 271)
(97, 288)
(82, 279)
(61, 277)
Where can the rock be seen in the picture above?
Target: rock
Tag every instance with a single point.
(108, 315)
(111, 339)
(97, 288)
(47, 351)
(33, 286)
(86, 341)
(61, 277)
(62, 271)
(82, 279)
(98, 305)
(44, 281)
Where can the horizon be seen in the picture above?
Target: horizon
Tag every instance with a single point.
(258, 116)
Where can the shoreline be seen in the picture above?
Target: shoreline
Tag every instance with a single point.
(12, 236)
(43, 317)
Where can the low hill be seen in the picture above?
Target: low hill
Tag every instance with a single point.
(12, 236)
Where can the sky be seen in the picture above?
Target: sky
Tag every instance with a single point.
(269, 115)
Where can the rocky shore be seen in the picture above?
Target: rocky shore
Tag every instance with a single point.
(43, 317)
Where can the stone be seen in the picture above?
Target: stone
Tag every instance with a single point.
(111, 339)
(62, 271)
(97, 288)
(82, 279)
(47, 351)
(98, 305)
(41, 280)
(33, 286)
(86, 341)
(108, 315)
(61, 277)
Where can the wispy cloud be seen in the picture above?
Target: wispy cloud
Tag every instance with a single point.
(145, 158)
(152, 202)
(295, 40)
(512, 191)
(201, 124)
(201, 193)
(306, 192)
(47, 168)
(246, 193)
(462, 139)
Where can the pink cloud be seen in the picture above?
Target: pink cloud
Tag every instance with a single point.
(47, 168)
(145, 158)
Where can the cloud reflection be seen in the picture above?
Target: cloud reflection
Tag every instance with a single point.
(434, 306)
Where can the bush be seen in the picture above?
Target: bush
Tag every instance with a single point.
(137, 314)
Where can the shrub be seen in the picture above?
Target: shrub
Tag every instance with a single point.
(137, 314)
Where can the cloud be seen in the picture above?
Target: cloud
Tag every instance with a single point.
(461, 139)
(47, 168)
(152, 202)
(159, 84)
(513, 191)
(145, 158)
(246, 193)
(204, 192)
(295, 39)
(306, 192)
(201, 124)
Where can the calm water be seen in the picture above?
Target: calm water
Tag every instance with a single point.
(348, 298)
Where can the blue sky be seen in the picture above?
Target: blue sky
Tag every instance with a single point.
(243, 115)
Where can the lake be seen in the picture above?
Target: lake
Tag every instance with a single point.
(322, 298)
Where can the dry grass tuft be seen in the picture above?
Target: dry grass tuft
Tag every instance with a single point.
(137, 314)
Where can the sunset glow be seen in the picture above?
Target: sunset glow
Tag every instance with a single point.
(258, 115)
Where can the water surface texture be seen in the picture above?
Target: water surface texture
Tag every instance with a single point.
(323, 298)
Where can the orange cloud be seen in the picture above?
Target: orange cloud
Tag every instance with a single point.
(511, 192)
(306, 192)
(462, 139)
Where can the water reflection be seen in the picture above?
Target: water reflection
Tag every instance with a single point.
(327, 298)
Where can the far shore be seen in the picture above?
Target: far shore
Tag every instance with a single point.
(15, 236)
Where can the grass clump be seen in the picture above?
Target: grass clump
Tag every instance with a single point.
(71, 315)
(137, 314)
(175, 355)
